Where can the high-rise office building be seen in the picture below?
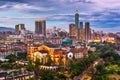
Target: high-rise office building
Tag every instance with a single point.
(87, 31)
(80, 31)
(81, 24)
(81, 34)
(72, 30)
(77, 19)
(19, 27)
(40, 27)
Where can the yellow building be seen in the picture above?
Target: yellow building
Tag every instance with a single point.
(110, 40)
(43, 52)
(97, 40)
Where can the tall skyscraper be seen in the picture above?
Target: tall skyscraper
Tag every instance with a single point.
(77, 19)
(87, 31)
(73, 30)
(40, 27)
(81, 24)
(80, 32)
(19, 27)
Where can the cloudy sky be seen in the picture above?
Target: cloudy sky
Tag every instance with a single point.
(102, 14)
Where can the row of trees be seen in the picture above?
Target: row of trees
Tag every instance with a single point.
(8, 65)
(111, 63)
(40, 74)
(19, 56)
(76, 68)
(12, 58)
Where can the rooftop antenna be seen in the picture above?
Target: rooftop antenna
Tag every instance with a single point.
(76, 9)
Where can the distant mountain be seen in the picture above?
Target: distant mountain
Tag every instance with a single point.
(6, 29)
(118, 33)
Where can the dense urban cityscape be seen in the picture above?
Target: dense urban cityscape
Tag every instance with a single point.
(80, 53)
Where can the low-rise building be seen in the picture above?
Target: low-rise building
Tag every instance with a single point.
(58, 55)
(79, 52)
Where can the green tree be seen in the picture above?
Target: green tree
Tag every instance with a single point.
(37, 69)
(11, 57)
(100, 77)
(6, 65)
(22, 55)
(61, 76)
(70, 65)
(74, 73)
(30, 66)
(17, 65)
(62, 66)
(47, 75)
(49, 62)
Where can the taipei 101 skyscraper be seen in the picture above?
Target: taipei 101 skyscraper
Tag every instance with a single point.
(77, 19)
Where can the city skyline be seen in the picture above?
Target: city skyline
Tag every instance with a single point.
(102, 14)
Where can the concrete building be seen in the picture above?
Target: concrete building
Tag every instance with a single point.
(14, 38)
(20, 27)
(73, 30)
(87, 31)
(81, 24)
(40, 27)
(79, 53)
(81, 34)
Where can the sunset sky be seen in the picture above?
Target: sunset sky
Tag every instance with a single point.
(102, 14)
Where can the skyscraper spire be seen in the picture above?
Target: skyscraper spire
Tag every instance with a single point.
(76, 11)
(77, 19)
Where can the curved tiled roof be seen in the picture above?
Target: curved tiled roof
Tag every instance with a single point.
(77, 50)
